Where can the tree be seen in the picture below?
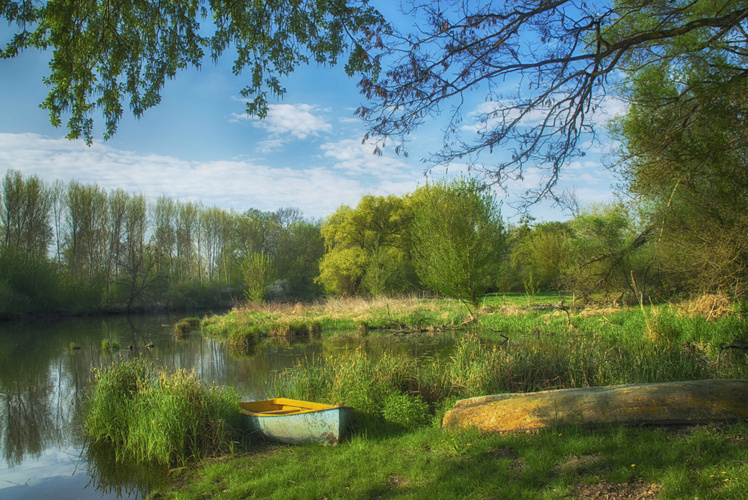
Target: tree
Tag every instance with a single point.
(458, 239)
(87, 235)
(259, 273)
(300, 250)
(543, 67)
(25, 208)
(684, 157)
(367, 248)
(608, 252)
(542, 252)
(106, 51)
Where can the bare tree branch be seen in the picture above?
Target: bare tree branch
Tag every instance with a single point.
(545, 68)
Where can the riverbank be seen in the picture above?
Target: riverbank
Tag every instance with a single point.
(517, 345)
(609, 462)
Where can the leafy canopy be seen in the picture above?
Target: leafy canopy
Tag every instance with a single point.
(543, 68)
(367, 247)
(684, 156)
(106, 51)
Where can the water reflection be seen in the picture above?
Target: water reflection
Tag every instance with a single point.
(43, 382)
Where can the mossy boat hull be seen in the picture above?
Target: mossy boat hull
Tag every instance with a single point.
(689, 402)
(294, 422)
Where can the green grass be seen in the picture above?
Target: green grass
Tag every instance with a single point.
(703, 462)
(398, 449)
(397, 390)
(336, 315)
(150, 415)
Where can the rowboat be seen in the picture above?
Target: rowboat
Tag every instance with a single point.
(686, 402)
(294, 422)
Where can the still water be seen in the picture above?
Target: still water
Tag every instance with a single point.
(43, 384)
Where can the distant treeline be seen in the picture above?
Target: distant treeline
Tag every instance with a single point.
(79, 248)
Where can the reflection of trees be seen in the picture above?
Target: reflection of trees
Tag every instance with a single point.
(121, 479)
(30, 421)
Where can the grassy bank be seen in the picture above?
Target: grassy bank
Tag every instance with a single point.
(692, 462)
(398, 449)
(707, 319)
(333, 316)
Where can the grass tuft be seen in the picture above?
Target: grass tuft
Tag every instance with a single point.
(185, 326)
(158, 416)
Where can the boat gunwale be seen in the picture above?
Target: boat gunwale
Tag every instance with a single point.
(295, 407)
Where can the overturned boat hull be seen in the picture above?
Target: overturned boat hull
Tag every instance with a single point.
(688, 402)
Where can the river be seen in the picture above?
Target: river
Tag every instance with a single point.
(45, 371)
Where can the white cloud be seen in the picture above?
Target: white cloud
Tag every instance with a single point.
(355, 158)
(286, 122)
(228, 184)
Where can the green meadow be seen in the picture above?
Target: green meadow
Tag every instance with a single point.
(397, 448)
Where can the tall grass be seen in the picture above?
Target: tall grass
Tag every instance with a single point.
(385, 390)
(151, 415)
(397, 389)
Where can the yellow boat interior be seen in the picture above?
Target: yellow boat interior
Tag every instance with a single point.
(281, 406)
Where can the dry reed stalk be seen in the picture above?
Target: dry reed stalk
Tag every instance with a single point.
(598, 311)
(710, 306)
(511, 310)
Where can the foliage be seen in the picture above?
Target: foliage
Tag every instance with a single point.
(300, 248)
(25, 214)
(367, 247)
(91, 249)
(458, 239)
(258, 272)
(28, 282)
(154, 416)
(684, 156)
(607, 251)
(541, 253)
(103, 53)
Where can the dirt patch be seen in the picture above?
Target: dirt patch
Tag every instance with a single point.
(583, 464)
(506, 452)
(635, 490)
(398, 481)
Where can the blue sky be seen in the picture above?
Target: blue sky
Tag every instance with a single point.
(199, 145)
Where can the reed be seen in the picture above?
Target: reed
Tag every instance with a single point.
(186, 326)
(109, 345)
(397, 389)
(151, 415)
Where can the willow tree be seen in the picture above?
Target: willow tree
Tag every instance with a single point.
(367, 247)
(684, 155)
(458, 239)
